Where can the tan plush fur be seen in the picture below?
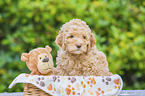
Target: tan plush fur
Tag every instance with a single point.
(78, 54)
(39, 61)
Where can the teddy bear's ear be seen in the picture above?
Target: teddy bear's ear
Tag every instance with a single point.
(49, 49)
(25, 57)
(59, 39)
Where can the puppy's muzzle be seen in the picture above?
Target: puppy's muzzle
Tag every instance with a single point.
(46, 59)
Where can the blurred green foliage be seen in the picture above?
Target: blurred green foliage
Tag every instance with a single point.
(118, 25)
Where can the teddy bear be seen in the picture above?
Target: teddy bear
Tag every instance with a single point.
(39, 61)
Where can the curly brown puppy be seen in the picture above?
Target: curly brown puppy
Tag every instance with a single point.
(78, 54)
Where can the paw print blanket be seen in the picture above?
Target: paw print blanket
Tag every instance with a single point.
(74, 85)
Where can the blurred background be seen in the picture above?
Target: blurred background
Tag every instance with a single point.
(118, 25)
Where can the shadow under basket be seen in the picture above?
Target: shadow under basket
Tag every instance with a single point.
(31, 90)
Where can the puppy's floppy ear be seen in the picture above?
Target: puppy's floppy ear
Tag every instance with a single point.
(49, 49)
(59, 39)
(92, 40)
(25, 57)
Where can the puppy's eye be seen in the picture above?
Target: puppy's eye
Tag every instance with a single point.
(84, 37)
(40, 57)
(71, 36)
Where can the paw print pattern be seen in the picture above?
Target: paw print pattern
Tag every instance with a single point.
(72, 79)
(106, 80)
(90, 91)
(49, 87)
(71, 90)
(56, 78)
(68, 90)
(117, 82)
(91, 81)
(99, 91)
(40, 81)
(27, 75)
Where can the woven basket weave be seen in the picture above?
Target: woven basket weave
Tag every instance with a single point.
(30, 89)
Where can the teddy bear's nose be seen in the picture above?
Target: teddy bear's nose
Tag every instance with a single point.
(46, 59)
(78, 45)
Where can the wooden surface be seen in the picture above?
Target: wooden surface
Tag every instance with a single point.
(132, 93)
(122, 93)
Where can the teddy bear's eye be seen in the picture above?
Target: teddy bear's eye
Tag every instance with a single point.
(40, 57)
(84, 37)
(71, 36)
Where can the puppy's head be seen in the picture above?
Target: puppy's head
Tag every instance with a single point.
(75, 37)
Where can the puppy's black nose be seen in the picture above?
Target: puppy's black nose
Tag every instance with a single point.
(78, 45)
(46, 59)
